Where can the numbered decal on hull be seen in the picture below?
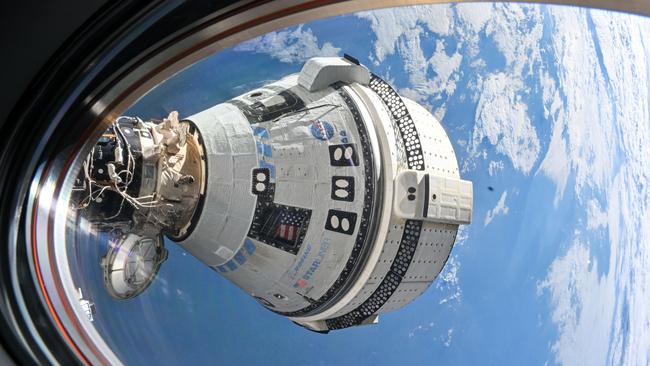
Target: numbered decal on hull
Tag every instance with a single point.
(260, 181)
(341, 221)
(343, 155)
(343, 188)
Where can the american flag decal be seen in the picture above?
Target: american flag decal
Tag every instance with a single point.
(286, 232)
(288, 226)
(280, 226)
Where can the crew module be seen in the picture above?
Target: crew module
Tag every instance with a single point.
(326, 196)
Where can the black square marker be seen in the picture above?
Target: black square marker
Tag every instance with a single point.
(343, 155)
(343, 188)
(341, 221)
(260, 181)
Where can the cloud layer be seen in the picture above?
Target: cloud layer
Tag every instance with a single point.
(296, 45)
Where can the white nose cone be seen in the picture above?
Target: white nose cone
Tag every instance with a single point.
(328, 198)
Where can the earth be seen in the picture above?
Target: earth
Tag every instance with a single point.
(547, 109)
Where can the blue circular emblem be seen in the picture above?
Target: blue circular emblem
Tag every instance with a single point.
(322, 130)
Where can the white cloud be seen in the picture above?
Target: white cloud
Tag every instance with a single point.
(494, 167)
(420, 329)
(474, 15)
(602, 135)
(421, 86)
(499, 209)
(447, 281)
(556, 165)
(605, 319)
(296, 45)
(517, 32)
(551, 96)
(391, 24)
(581, 302)
(596, 218)
(450, 333)
(502, 119)
(400, 30)
(584, 134)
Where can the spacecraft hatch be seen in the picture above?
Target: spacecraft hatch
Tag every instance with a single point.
(326, 196)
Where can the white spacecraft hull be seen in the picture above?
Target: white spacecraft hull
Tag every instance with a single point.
(328, 198)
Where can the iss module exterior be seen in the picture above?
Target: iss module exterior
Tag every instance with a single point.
(326, 195)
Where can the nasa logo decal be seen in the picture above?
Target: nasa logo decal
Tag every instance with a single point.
(322, 130)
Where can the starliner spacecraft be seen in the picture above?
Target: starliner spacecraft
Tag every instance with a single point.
(326, 196)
